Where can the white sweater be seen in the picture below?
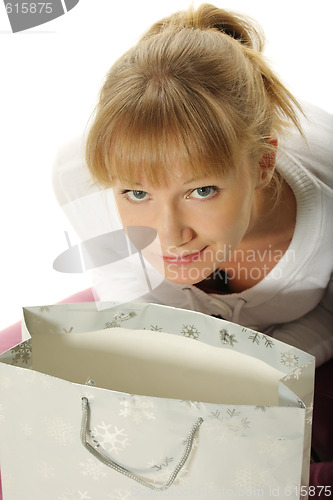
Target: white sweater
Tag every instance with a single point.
(293, 303)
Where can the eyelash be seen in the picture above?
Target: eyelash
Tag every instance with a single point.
(124, 192)
(216, 190)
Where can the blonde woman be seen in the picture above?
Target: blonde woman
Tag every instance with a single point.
(199, 140)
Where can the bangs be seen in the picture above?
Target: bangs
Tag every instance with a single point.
(158, 140)
(155, 153)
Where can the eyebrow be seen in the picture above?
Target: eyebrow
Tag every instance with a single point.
(137, 184)
(193, 179)
(199, 180)
(132, 184)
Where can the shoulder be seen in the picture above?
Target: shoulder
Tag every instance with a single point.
(314, 151)
(71, 178)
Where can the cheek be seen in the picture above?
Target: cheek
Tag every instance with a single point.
(130, 215)
(231, 221)
(127, 218)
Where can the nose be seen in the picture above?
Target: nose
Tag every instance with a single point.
(174, 230)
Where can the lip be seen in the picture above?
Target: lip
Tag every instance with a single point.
(179, 261)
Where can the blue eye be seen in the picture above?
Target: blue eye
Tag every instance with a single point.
(204, 192)
(135, 195)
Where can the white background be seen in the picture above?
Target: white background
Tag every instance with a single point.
(50, 77)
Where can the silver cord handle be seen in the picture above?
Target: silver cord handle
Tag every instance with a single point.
(110, 463)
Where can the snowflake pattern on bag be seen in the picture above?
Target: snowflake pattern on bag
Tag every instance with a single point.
(120, 494)
(74, 495)
(295, 374)
(231, 426)
(257, 337)
(251, 478)
(110, 438)
(118, 318)
(22, 353)
(272, 446)
(308, 414)
(93, 469)
(137, 408)
(45, 470)
(156, 328)
(190, 331)
(163, 467)
(227, 338)
(289, 359)
(61, 431)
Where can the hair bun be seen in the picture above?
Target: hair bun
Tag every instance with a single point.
(241, 28)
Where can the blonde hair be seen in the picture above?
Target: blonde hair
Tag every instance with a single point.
(193, 93)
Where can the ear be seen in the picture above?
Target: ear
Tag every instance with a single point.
(267, 165)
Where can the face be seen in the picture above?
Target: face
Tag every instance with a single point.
(199, 222)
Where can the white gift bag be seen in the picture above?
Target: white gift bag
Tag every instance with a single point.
(141, 400)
